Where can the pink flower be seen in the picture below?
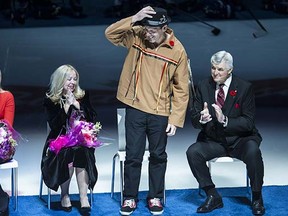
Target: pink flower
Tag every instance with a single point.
(237, 106)
(88, 137)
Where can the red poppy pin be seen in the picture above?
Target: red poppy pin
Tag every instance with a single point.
(237, 106)
(171, 43)
(233, 93)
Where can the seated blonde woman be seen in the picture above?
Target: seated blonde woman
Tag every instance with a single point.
(63, 99)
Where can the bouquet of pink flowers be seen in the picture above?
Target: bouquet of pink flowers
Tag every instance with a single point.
(8, 143)
(79, 133)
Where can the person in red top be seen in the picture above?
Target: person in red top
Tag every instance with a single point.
(7, 110)
(7, 104)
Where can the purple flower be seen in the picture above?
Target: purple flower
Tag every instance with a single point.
(7, 142)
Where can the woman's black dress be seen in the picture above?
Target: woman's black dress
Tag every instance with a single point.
(54, 167)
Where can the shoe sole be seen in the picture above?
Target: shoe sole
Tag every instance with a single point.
(157, 213)
(221, 205)
(258, 212)
(126, 213)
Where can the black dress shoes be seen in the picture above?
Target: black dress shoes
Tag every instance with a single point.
(258, 207)
(85, 210)
(66, 209)
(210, 204)
(65, 200)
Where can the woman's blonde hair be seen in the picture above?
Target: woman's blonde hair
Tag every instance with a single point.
(57, 81)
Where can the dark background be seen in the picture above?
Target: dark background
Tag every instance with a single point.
(99, 12)
(33, 46)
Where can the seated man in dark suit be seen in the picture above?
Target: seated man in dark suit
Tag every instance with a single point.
(224, 110)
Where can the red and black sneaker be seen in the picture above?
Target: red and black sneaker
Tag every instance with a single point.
(128, 207)
(155, 206)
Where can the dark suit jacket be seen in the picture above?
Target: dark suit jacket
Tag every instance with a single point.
(239, 107)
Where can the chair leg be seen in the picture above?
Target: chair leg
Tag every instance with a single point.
(113, 175)
(41, 187)
(16, 189)
(91, 197)
(121, 180)
(48, 193)
(49, 197)
(247, 183)
(14, 186)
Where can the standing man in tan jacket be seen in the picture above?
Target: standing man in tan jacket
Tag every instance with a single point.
(154, 87)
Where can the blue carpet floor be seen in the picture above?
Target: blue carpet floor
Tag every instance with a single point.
(178, 203)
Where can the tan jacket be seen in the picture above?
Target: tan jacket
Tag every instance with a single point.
(152, 80)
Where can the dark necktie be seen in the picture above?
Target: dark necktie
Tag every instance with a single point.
(220, 96)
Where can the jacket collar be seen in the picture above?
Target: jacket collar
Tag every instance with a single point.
(170, 39)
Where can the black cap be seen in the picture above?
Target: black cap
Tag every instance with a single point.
(157, 20)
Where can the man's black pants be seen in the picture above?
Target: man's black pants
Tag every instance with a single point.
(140, 125)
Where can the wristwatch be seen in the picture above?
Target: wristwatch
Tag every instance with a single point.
(225, 121)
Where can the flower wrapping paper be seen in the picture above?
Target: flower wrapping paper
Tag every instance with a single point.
(79, 133)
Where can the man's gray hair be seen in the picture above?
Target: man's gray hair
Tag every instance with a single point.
(222, 56)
